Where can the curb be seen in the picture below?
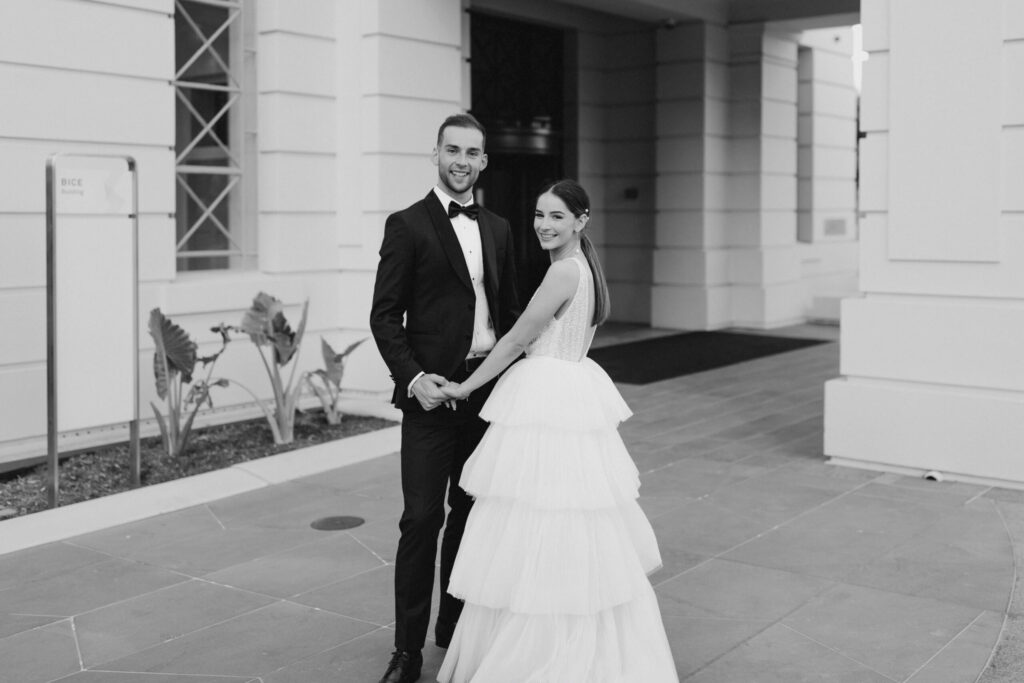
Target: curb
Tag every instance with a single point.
(28, 531)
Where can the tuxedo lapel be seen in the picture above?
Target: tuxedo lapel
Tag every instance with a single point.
(490, 262)
(449, 241)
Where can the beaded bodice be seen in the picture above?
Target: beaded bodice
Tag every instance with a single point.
(568, 337)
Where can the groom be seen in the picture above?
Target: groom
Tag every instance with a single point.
(445, 292)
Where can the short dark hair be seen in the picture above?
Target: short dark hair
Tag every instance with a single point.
(461, 121)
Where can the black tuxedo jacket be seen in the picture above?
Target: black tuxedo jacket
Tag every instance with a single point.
(423, 300)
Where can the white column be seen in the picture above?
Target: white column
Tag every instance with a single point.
(296, 123)
(827, 137)
(826, 170)
(616, 158)
(764, 267)
(691, 265)
(932, 361)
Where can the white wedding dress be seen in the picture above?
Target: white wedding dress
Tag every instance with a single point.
(554, 560)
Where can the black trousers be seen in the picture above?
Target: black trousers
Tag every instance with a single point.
(435, 446)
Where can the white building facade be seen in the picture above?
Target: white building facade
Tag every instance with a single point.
(933, 374)
(718, 141)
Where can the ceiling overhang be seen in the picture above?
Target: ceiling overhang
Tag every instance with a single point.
(720, 11)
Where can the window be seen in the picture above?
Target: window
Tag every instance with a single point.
(215, 136)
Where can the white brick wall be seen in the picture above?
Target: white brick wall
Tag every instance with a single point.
(75, 96)
(316, 214)
(617, 156)
(932, 377)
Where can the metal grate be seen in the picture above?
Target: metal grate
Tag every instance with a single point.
(209, 164)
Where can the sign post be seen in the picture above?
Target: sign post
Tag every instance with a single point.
(92, 318)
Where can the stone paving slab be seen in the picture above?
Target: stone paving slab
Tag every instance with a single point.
(846, 620)
(777, 566)
(780, 655)
(253, 644)
(123, 628)
(46, 653)
(86, 588)
(965, 656)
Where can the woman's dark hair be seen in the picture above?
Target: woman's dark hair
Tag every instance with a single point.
(461, 121)
(576, 200)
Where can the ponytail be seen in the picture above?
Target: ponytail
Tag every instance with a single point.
(602, 301)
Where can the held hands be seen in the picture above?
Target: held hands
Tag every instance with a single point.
(427, 390)
(432, 390)
(455, 392)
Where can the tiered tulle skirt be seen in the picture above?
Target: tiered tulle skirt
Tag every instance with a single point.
(554, 560)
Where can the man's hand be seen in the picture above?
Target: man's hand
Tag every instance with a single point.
(454, 392)
(427, 390)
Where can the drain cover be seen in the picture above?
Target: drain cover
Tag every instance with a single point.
(337, 523)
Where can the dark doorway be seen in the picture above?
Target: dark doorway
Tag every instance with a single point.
(518, 74)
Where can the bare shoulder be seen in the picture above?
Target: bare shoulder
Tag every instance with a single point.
(563, 275)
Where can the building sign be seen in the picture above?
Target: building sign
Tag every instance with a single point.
(91, 216)
(85, 190)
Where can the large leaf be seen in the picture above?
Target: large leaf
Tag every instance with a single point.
(286, 342)
(285, 347)
(174, 345)
(283, 339)
(160, 374)
(334, 363)
(265, 323)
(224, 330)
(258, 320)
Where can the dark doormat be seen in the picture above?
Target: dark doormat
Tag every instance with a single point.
(652, 360)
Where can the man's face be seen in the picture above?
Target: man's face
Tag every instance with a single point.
(460, 158)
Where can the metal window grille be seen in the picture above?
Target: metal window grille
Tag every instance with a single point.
(213, 41)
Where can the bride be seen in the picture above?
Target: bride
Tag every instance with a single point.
(554, 561)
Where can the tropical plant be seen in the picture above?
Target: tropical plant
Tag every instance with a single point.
(269, 330)
(326, 382)
(174, 362)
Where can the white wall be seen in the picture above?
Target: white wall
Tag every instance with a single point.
(76, 95)
(386, 126)
(727, 252)
(691, 266)
(687, 149)
(66, 94)
(826, 169)
(827, 137)
(933, 374)
(296, 96)
(344, 127)
(617, 159)
(762, 190)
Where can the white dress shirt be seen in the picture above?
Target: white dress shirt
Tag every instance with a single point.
(468, 232)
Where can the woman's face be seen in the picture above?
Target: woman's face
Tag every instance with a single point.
(556, 227)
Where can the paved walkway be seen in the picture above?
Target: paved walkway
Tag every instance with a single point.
(778, 567)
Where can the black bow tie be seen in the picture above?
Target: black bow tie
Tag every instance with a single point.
(471, 210)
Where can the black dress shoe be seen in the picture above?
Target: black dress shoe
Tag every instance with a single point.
(404, 667)
(443, 632)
